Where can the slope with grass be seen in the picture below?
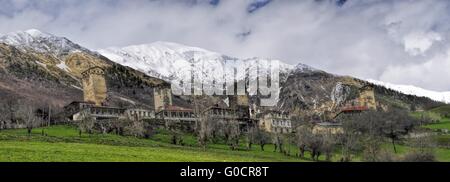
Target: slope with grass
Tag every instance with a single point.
(62, 143)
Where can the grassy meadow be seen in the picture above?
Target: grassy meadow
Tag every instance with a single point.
(63, 143)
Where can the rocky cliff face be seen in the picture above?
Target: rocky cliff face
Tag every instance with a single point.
(321, 95)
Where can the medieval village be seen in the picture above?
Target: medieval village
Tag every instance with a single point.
(235, 109)
(233, 115)
(74, 96)
(299, 132)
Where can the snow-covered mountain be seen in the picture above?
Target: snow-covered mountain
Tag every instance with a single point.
(417, 91)
(171, 61)
(41, 42)
(47, 69)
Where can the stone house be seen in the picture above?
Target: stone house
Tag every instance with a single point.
(275, 121)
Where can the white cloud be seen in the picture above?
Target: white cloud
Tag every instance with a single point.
(391, 41)
(417, 43)
(428, 74)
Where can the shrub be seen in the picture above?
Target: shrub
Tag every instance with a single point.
(416, 156)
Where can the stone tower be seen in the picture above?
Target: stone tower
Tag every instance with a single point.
(162, 98)
(94, 85)
(238, 101)
(367, 97)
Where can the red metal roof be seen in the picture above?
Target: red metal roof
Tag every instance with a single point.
(354, 108)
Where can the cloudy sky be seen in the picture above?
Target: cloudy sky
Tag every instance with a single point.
(401, 41)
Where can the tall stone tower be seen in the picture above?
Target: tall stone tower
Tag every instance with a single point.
(241, 104)
(367, 97)
(162, 98)
(94, 85)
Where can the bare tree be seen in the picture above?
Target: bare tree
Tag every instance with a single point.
(105, 126)
(86, 124)
(315, 144)
(251, 136)
(202, 132)
(201, 128)
(328, 145)
(135, 128)
(3, 116)
(12, 106)
(8, 112)
(423, 150)
(303, 134)
(277, 139)
(27, 116)
(261, 137)
(372, 147)
(349, 143)
(396, 124)
(232, 133)
(213, 128)
(369, 128)
(172, 128)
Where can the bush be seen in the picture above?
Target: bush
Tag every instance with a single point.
(416, 156)
(385, 156)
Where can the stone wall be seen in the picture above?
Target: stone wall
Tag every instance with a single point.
(367, 97)
(162, 98)
(94, 86)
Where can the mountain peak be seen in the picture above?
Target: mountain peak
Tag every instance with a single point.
(19, 37)
(37, 33)
(36, 40)
(303, 67)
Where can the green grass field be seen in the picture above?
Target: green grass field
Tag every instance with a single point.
(437, 114)
(63, 143)
(443, 124)
(445, 109)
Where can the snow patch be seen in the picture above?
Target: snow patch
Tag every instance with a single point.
(127, 100)
(79, 88)
(41, 64)
(417, 91)
(39, 41)
(62, 65)
(36, 33)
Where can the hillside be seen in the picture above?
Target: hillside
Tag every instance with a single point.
(319, 94)
(47, 69)
(413, 90)
(304, 89)
(442, 110)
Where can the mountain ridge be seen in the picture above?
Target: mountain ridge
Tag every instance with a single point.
(32, 63)
(111, 53)
(133, 71)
